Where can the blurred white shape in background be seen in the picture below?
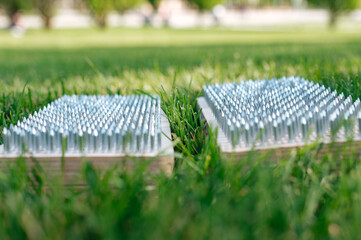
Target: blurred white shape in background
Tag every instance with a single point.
(17, 31)
(219, 11)
(71, 18)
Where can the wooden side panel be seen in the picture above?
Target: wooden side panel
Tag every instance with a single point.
(71, 163)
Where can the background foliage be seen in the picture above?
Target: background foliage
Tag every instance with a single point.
(46, 9)
(204, 4)
(101, 8)
(336, 7)
(14, 6)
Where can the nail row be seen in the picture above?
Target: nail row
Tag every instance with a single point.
(95, 124)
(272, 109)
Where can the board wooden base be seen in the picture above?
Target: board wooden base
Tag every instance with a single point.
(69, 166)
(323, 145)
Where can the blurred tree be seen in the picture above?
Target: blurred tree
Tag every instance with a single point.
(240, 3)
(100, 10)
(124, 5)
(273, 2)
(154, 3)
(205, 4)
(13, 7)
(46, 10)
(335, 7)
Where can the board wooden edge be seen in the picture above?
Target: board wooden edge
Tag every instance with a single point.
(71, 163)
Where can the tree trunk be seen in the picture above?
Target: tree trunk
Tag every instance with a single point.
(14, 17)
(333, 16)
(47, 22)
(102, 22)
(12, 20)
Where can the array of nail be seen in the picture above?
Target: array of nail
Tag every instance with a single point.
(90, 124)
(268, 111)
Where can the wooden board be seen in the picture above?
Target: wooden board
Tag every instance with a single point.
(70, 164)
(275, 150)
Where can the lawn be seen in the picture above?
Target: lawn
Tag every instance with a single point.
(299, 196)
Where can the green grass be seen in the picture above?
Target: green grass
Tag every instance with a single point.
(299, 196)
